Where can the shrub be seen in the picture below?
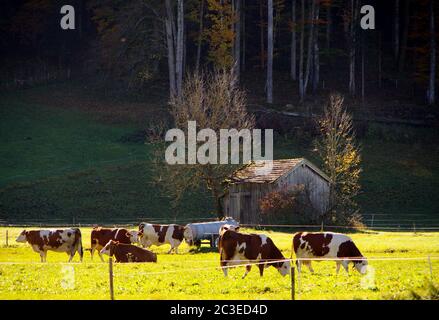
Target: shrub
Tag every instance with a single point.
(291, 205)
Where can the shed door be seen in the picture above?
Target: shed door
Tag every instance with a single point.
(245, 212)
(234, 205)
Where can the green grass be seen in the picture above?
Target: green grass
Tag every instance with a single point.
(195, 275)
(65, 158)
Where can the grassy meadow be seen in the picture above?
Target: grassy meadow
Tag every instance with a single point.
(195, 275)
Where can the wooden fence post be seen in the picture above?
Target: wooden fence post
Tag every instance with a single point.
(431, 269)
(293, 284)
(321, 227)
(111, 278)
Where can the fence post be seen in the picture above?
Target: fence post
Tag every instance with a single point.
(7, 241)
(431, 269)
(321, 227)
(371, 224)
(414, 227)
(293, 284)
(110, 261)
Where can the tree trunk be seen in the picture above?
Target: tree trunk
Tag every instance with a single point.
(352, 49)
(405, 33)
(200, 35)
(180, 45)
(170, 46)
(237, 47)
(362, 71)
(293, 42)
(431, 90)
(270, 52)
(309, 55)
(302, 41)
(243, 36)
(262, 42)
(316, 53)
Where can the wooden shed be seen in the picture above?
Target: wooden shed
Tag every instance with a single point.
(250, 184)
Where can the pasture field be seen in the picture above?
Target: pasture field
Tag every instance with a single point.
(68, 154)
(195, 275)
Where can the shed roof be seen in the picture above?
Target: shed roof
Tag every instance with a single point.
(254, 171)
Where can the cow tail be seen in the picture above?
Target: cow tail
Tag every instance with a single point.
(78, 243)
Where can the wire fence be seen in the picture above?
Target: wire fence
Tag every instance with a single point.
(120, 274)
(415, 225)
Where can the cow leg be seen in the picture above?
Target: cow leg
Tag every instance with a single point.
(247, 270)
(225, 270)
(308, 264)
(299, 266)
(261, 269)
(43, 255)
(345, 265)
(92, 252)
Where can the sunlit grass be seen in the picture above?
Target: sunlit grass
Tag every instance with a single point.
(195, 275)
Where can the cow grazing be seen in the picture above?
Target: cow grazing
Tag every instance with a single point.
(61, 240)
(101, 236)
(156, 234)
(245, 248)
(127, 252)
(331, 245)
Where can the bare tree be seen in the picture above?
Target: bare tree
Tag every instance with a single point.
(353, 46)
(237, 43)
(270, 52)
(309, 54)
(316, 53)
(175, 46)
(341, 159)
(200, 35)
(243, 36)
(214, 101)
(302, 45)
(179, 45)
(293, 71)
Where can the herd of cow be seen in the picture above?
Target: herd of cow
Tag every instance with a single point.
(235, 248)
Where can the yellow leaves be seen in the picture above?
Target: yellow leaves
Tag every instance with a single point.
(220, 35)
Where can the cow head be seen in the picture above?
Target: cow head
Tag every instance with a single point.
(22, 237)
(361, 265)
(284, 268)
(226, 227)
(109, 247)
(188, 236)
(133, 236)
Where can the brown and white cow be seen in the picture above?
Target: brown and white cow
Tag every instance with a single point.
(127, 252)
(101, 236)
(308, 245)
(157, 234)
(226, 227)
(239, 248)
(61, 240)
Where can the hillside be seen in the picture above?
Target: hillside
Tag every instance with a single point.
(67, 155)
